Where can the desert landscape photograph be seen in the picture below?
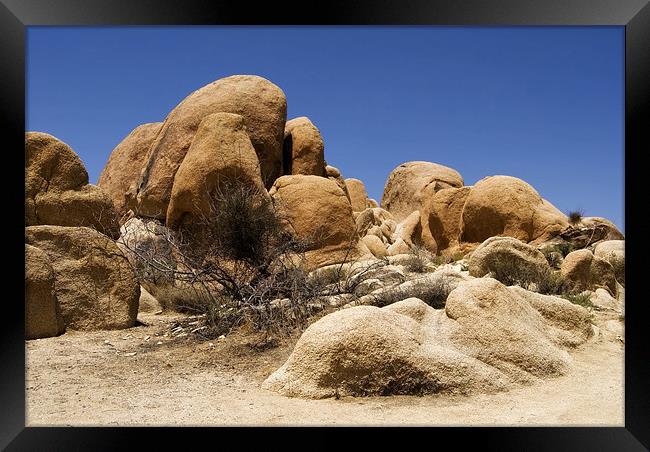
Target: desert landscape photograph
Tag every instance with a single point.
(324, 226)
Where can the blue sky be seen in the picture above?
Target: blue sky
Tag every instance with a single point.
(545, 104)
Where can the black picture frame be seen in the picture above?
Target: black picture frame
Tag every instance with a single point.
(634, 15)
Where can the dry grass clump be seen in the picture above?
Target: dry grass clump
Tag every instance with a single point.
(434, 293)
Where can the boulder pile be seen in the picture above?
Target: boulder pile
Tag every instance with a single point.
(76, 277)
(457, 328)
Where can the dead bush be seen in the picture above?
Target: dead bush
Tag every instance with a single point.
(238, 264)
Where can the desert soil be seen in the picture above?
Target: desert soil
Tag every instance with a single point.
(148, 376)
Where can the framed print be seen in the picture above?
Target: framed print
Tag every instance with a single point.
(361, 214)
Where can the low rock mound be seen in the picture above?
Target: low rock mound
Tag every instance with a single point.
(487, 339)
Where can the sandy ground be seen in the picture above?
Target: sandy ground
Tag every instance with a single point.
(127, 378)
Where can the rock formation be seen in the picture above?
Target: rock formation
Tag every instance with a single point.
(486, 339)
(57, 191)
(304, 150)
(589, 272)
(264, 109)
(406, 184)
(221, 155)
(358, 194)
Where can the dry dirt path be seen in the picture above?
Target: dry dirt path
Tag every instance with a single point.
(86, 379)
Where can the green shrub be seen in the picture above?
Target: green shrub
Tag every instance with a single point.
(553, 256)
(580, 299)
(545, 280)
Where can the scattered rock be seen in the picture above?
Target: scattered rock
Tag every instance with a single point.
(613, 233)
(603, 300)
(504, 256)
(407, 235)
(375, 245)
(148, 303)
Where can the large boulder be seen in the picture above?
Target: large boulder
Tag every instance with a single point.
(588, 272)
(57, 191)
(123, 168)
(42, 315)
(264, 109)
(486, 339)
(95, 284)
(505, 205)
(304, 150)
(440, 218)
(508, 260)
(613, 251)
(358, 194)
(221, 156)
(613, 233)
(317, 210)
(409, 182)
